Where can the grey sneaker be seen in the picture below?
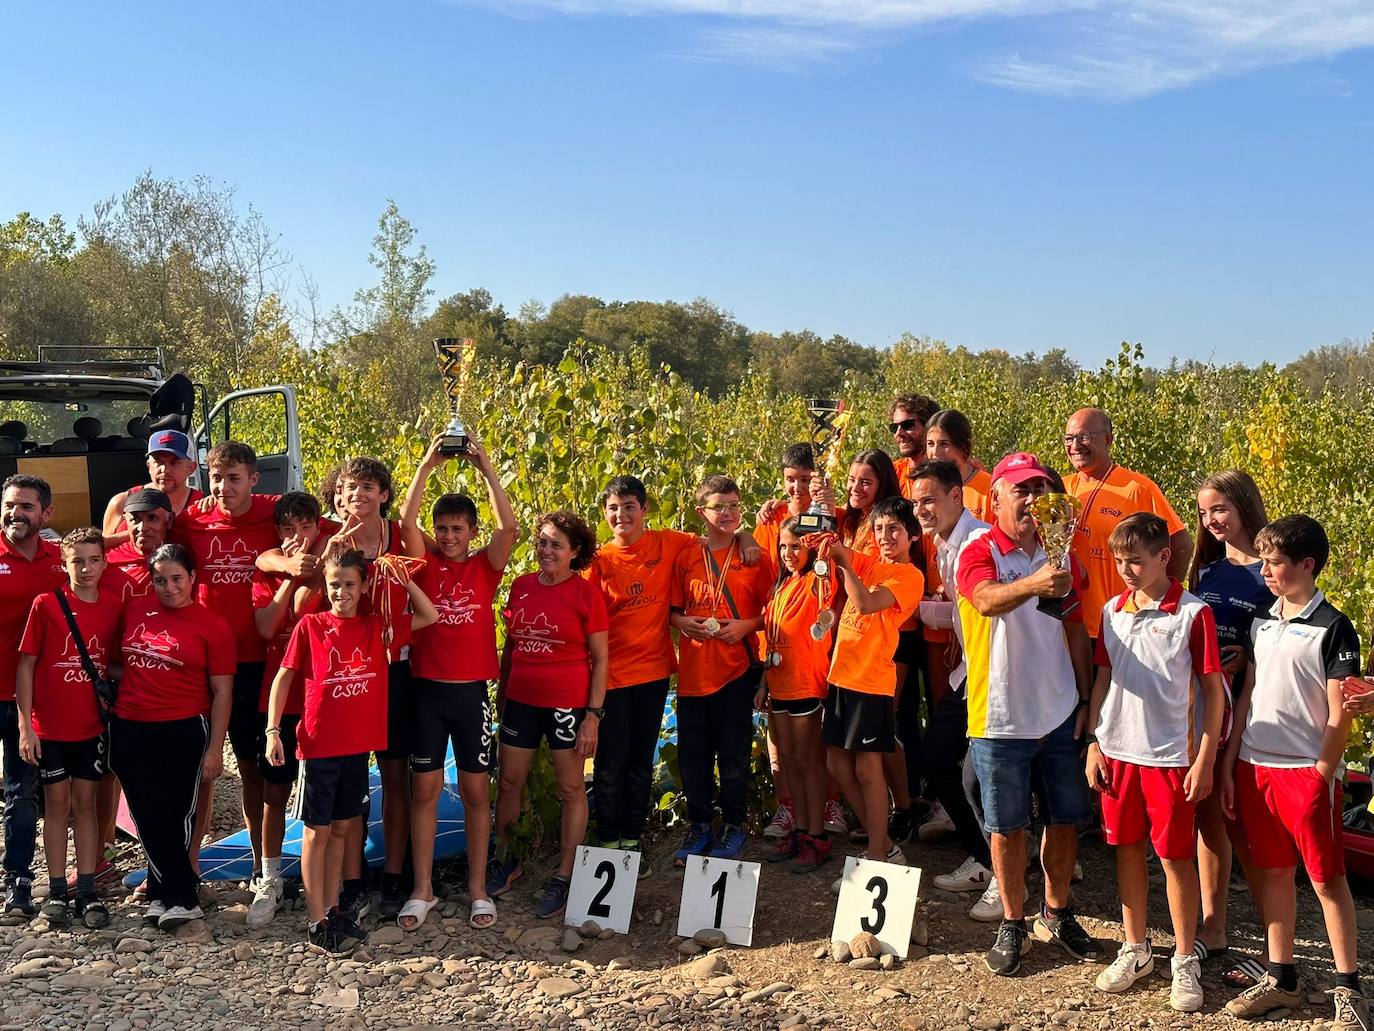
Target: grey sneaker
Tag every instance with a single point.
(267, 895)
(1352, 1012)
(1261, 999)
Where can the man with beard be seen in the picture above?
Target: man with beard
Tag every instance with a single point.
(909, 415)
(29, 566)
(170, 466)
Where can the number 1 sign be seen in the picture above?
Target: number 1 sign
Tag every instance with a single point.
(603, 888)
(879, 898)
(719, 893)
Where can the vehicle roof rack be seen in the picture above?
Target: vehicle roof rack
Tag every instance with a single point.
(136, 360)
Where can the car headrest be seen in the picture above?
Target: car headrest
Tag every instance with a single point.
(14, 428)
(88, 427)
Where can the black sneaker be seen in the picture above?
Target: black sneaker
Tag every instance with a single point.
(19, 899)
(901, 824)
(1004, 958)
(346, 926)
(393, 896)
(354, 901)
(1066, 932)
(324, 937)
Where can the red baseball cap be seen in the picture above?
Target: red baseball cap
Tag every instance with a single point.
(1020, 466)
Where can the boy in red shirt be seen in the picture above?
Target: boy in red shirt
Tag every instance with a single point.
(279, 600)
(717, 607)
(452, 663)
(61, 729)
(342, 657)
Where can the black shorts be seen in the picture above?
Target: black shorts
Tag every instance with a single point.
(246, 723)
(400, 703)
(332, 789)
(446, 711)
(82, 760)
(911, 649)
(287, 771)
(794, 706)
(859, 722)
(523, 725)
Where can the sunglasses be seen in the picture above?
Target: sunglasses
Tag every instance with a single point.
(905, 424)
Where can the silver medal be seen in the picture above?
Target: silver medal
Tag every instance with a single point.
(825, 619)
(712, 625)
(817, 631)
(774, 659)
(822, 567)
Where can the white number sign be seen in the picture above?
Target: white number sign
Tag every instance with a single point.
(879, 898)
(603, 888)
(719, 893)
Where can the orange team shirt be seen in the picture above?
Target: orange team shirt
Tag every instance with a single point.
(637, 585)
(704, 667)
(978, 495)
(934, 584)
(1105, 503)
(766, 536)
(788, 618)
(905, 467)
(865, 644)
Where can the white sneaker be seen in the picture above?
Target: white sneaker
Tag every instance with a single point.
(267, 896)
(178, 915)
(895, 856)
(834, 817)
(1186, 993)
(782, 823)
(938, 827)
(154, 912)
(970, 876)
(988, 908)
(1131, 964)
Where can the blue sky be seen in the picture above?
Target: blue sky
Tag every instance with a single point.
(1026, 174)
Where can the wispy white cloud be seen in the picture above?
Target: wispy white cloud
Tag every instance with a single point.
(1114, 49)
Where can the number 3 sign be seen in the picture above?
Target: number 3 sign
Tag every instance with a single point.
(719, 893)
(603, 888)
(879, 898)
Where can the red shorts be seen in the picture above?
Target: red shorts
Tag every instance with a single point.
(1291, 813)
(1149, 800)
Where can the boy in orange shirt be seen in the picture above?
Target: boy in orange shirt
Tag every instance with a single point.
(717, 606)
(860, 716)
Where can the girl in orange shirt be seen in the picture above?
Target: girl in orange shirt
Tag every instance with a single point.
(872, 477)
(797, 624)
(949, 436)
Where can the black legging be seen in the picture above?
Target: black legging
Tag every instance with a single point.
(623, 776)
(158, 764)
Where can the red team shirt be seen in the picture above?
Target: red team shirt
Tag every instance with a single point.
(264, 590)
(64, 702)
(225, 548)
(461, 646)
(20, 582)
(169, 656)
(137, 582)
(547, 628)
(343, 663)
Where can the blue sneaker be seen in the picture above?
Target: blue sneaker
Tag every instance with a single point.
(555, 898)
(502, 873)
(730, 843)
(696, 843)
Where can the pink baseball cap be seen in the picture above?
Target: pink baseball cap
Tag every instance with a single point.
(1020, 466)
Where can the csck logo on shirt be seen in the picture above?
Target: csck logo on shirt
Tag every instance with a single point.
(230, 564)
(455, 602)
(533, 636)
(73, 672)
(348, 678)
(149, 650)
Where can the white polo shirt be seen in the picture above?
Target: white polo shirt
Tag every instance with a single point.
(1021, 682)
(947, 558)
(1294, 658)
(1152, 714)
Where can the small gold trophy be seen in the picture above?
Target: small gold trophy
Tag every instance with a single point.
(455, 359)
(1056, 519)
(829, 419)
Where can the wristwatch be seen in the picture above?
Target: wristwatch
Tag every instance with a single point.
(599, 711)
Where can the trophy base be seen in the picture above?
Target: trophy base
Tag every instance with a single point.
(816, 522)
(453, 444)
(1057, 608)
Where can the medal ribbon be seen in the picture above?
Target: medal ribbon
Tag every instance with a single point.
(720, 573)
(777, 606)
(821, 543)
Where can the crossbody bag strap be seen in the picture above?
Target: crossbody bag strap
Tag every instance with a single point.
(86, 662)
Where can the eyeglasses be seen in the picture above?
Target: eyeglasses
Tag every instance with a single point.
(1070, 439)
(729, 506)
(905, 424)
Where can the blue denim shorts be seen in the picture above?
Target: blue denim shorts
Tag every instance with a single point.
(1009, 769)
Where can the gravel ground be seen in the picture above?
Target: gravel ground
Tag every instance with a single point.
(527, 973)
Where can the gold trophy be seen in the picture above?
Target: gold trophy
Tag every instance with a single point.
(829, 419)
(1056, 519)
(455, 359)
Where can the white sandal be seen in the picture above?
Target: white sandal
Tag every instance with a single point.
(417, 910)
(482, 907)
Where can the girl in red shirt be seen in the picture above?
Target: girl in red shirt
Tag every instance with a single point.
(553, 686)
(167, 733)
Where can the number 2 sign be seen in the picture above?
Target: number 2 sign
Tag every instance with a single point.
(719, 893)
(879, 898)
(603, 888)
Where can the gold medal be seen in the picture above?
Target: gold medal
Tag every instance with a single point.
(712, 625)
(825, 619)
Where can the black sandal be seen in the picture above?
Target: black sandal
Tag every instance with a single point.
(91, 912)
(1204, 953)
(1245, 974)
(54, 911)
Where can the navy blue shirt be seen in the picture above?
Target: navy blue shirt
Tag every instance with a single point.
(1235, 593)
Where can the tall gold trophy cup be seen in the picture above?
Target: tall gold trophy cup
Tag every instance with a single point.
(829, 419)
(1056, 519)
(455, 359)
